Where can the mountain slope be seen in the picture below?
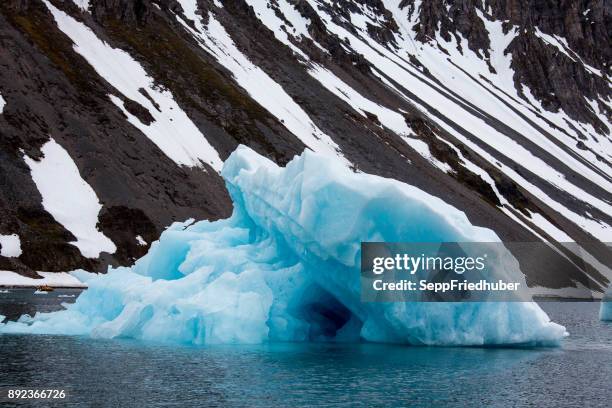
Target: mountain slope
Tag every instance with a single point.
(500, 108)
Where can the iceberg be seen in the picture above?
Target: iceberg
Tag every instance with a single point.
(605, 309)
(285, 267)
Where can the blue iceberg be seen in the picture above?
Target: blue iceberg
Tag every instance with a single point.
(285, 267)
(605, 309)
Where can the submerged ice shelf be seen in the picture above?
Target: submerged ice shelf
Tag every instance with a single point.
(285, 267)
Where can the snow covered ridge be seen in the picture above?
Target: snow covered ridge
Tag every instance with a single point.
(69, 199)
(53, 279)
(477, 93)
(268, 93)
(459, 86)
(285, 267)
(457, 73)
(172, 130)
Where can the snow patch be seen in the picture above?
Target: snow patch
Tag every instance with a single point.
(141, 241)
(561, 44)
(53, 279)
(282, 31)
(10, 245)
(422, 148)
(2, 104)
(548, 227)
(389, 118)
(82, 4)
(69, 199)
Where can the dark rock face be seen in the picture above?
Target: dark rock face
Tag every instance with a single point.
(457, 19)
(51, 90)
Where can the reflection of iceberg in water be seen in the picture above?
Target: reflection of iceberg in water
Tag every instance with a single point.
(605, 309)
(285, 266)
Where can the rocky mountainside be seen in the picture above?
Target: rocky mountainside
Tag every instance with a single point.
(116, 115)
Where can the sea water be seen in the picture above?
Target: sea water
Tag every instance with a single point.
(136, 373)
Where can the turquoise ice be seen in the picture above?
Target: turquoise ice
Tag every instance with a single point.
(285, 267)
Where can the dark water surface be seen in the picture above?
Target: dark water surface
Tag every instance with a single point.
(122, 373)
